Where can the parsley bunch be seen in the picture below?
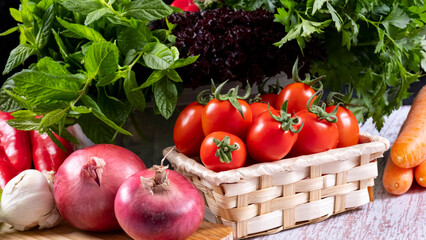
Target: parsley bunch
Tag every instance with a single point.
(90, 62)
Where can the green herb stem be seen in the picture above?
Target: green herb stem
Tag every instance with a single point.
(83, 91)
(120, 15)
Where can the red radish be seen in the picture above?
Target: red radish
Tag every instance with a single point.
(47, 156)
(159, 204)
(87, 182)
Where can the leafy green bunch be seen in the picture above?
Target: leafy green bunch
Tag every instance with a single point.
(91, 62)
(375, 48)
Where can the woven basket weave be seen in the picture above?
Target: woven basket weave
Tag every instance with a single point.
(266, 198)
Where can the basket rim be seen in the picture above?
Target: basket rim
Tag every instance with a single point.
(369, 144)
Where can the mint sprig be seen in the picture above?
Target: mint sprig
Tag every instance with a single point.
(95, 62)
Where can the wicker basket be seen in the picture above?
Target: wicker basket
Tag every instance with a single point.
(266, 198)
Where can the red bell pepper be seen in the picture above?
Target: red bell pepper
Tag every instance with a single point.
(15, 144)
(185, 5)
(47, 156)
(7, 171)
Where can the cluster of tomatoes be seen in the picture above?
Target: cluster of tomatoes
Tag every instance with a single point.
(228, 131)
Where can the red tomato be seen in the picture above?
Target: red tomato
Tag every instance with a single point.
(188, 131)
(297, 95)
(222, 116)
(232, 148)
(317, 135)
(347, 125)
(258, 108)
(267, 141)
(270, 98)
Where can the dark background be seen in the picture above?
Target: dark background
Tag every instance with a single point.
(7, 43)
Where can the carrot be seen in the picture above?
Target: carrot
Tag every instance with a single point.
(397, 180)
(420, 174)
(409, 149)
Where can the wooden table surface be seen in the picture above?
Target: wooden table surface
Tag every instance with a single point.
(387, 217)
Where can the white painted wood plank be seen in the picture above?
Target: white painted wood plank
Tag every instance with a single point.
(387, 217)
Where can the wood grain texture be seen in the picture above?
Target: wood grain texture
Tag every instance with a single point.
(210, 231)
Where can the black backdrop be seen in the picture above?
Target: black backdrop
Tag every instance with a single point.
(7, 43)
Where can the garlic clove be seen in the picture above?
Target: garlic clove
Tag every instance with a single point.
(27, 202)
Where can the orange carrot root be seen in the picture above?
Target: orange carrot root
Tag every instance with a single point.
(409, 149)
(397, 180)
(420, 174)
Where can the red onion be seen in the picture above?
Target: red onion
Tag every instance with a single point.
(87, 182)
(159, 204)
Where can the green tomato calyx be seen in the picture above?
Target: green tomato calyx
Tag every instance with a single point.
(231, 96)
(287, 122)
(224, 151)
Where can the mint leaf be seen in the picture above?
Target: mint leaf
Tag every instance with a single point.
(82, 31)
(147, 10)
(136, 39)
(48, 65)
(96, 111)
(165, 94)
(39, 88)
(135, 97)
(7, 104)
(95, 129)
(22, 102)
(18, 56)
(155, 76)
(96, 15)
(16, 14)
(45, 4)
(24, 120)
(82, 6)
(101, 61)
(24, 114)
(113, 108)
(80, 109)
(45, 27)
(182, 62)
(24, 124)
(55, 140)
(9, 31)
(52, 118)
(157, 56)
(174, 76)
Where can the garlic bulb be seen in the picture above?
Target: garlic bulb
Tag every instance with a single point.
(28, 201)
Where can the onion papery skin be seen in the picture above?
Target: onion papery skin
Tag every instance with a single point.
(80, 200)
(172, 214)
